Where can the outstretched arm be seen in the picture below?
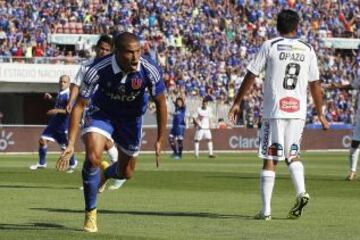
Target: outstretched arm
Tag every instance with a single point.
(55, 111)
(161, 118)
(315, 89)
(245, 87)
(334, 86)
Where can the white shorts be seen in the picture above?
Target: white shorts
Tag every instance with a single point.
(356, 131)
(202, 133)
(280, 138)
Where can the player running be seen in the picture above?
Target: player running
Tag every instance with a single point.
(56, 129)
(290, 65)
(104, 46)
(123, 80)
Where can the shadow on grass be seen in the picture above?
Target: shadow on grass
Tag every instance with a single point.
(35, 187)
(35, 227)
(151, 213)
(282, 177)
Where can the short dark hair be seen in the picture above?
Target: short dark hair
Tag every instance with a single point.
(105, 38)
(124, 38)
(180, 99)
(287, 21)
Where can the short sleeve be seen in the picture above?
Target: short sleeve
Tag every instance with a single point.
(89, 83)
(314, 74)
(156, 83)
(79, 76)
(257, 65)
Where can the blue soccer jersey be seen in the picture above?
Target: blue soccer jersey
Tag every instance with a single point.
(119, 100)
(118, 94)
(58, 124)
(178, 124)
(179, 116)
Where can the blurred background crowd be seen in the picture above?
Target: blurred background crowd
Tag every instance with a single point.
(203, 46)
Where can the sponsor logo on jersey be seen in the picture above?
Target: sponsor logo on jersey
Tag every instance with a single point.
(265, 139)
(289, 104)
(284, 47)
(275, 150)
(136, 83)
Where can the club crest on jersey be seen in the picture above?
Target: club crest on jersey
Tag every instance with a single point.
(289, 104)
(136, 83)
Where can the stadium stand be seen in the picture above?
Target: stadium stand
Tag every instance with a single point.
(203, 46)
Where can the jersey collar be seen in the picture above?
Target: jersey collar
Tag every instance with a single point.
(64, 91)
(116, 69)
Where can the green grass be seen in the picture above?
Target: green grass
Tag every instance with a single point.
(187, 199)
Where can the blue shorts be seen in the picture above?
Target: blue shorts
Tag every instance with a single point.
(177, 132)
(52, 134)
(125, 132)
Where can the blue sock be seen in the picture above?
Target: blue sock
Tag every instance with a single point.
(91, 181)
(42, 154)
(72, 160)
(112, 171)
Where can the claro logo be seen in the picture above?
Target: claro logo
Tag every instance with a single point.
(240, 142)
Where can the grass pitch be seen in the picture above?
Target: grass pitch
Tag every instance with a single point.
(187, 199)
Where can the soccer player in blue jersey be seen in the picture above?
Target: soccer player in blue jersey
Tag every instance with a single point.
(123, 80)
(104, 46)
(177, 132)
(56, 129)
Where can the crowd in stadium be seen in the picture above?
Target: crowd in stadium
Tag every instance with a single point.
(203, 46)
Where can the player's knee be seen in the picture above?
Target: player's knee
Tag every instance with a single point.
(109, 144)
(294, 159)
(93, 158)
(269, 164)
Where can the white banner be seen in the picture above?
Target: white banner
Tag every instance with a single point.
(71, 39)
(341, 43)
(35, 73)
